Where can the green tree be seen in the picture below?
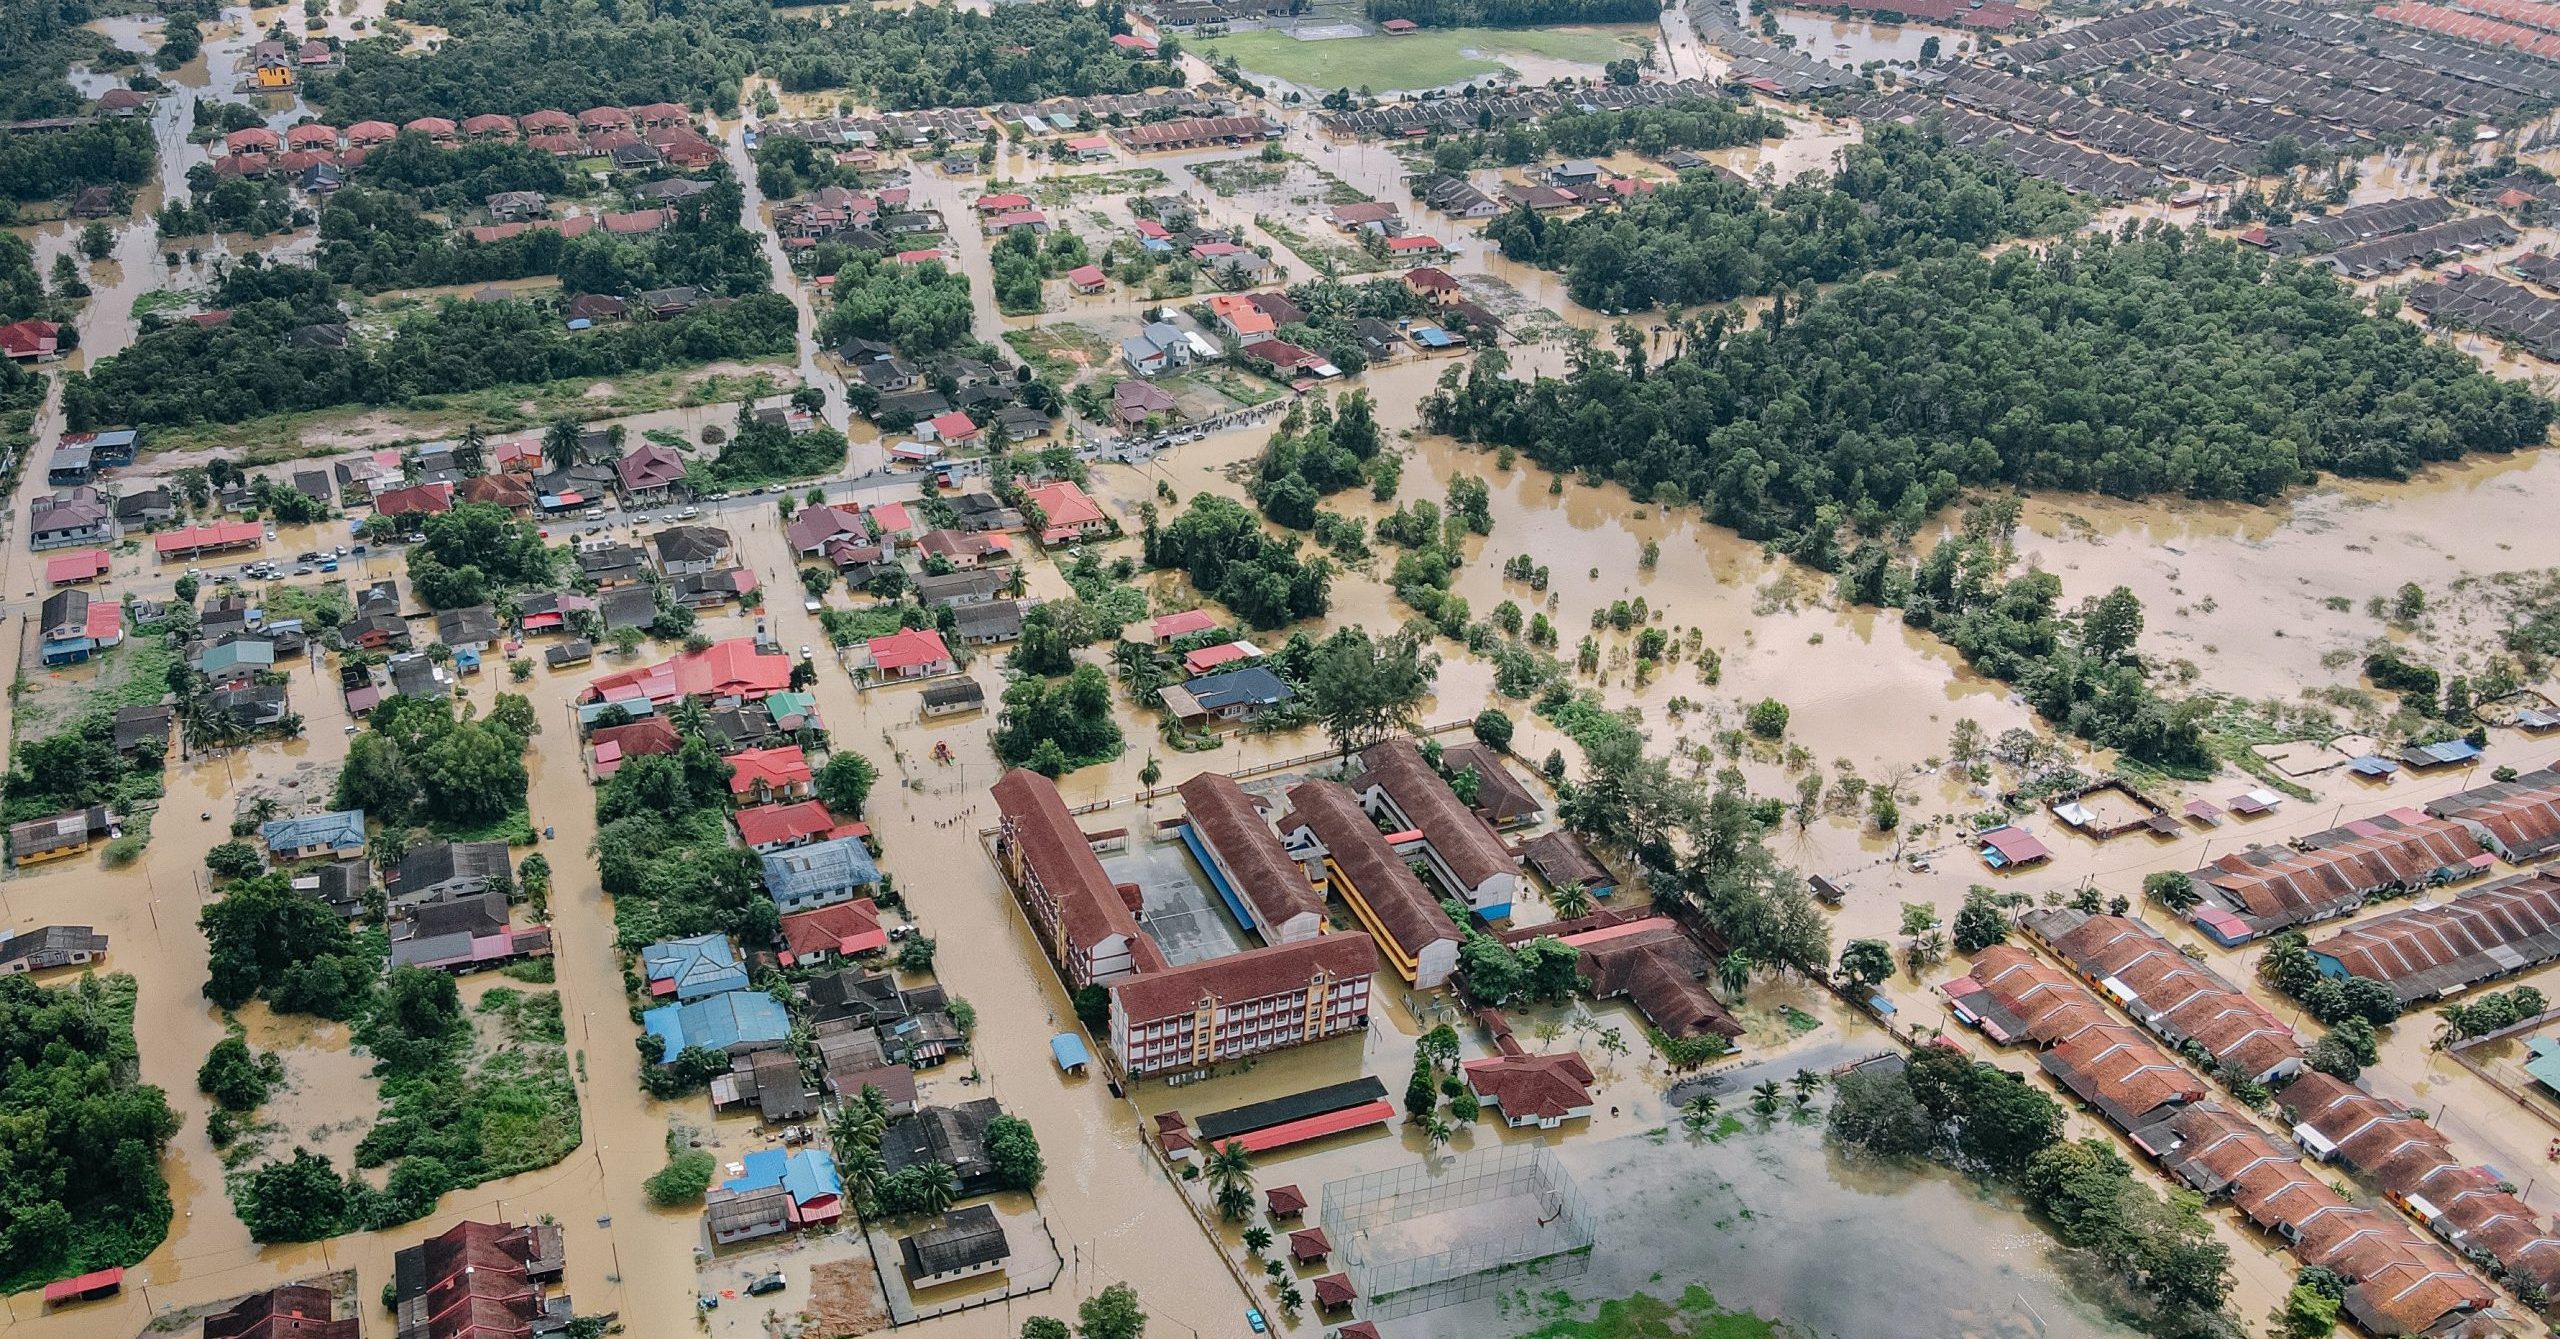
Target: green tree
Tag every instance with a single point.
(237, 1078)
(1767, 718)
(2173, 889)
(1113, 1313)
(1044, 1327)
(234, 860)
(845, 783)
(1229, 1171)
(1364, 689)
(1493, 728)
(1014, 1151)
(1866, 962)
(1981, 922)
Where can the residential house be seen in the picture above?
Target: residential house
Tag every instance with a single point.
(480, 1281)
(1134, 403)
(845, 930)
(689, 550)
(690, 968)
(738, 1022)
(988, 624)
(39, 840)
(953, 1136)
(287, 1311)
(470, 628)
(969, 1242)
(913, 653)
(766, 776)
(953, 698)
(336, 833)
(955, 590)
(820, 874)
(1156, 350)
(442, 871)
(76, 518)
(1234, 697)
(236, 662)
(1068, 515)
(650, 474)
(253, 707)
(610, 565)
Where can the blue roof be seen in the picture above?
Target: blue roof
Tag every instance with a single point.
(1069, 1051)
(809, 1174)
(699, 966)
(1238, 687)
(636, 707)
(1432, 337)
(2373, 764)
(2449, 751)
(820, 868)
(342, 830)
(718, 1022)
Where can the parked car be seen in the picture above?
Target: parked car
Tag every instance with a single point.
(770, 1283)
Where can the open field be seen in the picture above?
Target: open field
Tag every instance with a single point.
(1425, 59)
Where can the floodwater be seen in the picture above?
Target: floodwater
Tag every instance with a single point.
(1855, 42)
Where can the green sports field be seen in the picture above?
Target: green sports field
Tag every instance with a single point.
(1427, 59)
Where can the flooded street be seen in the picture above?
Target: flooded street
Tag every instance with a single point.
(2263, 601)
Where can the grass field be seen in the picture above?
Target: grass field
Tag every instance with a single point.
(1427, 59)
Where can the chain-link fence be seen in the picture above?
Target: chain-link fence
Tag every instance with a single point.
(1422, 1236)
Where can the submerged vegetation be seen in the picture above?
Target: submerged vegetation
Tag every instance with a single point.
(80, 1180)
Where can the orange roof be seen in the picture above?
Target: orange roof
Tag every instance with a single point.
(732, 668)
(1066, 505)
(776, 768)
(914, 646)
(847, 928)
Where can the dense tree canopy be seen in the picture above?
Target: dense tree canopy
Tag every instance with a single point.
(80, 1183)
(1902, 194)
(373, 240)
(2152, 363)
(1231, 559)
(518, 59)
(252, 365)
(1694, 123)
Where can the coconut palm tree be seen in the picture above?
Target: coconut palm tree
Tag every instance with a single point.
(1571, 901)
(1700, 1115)
(1806, 1082)
(1734, 973)
(1257, 1239)
(935, 1190)
(1230, 1173)
(1764, 1098)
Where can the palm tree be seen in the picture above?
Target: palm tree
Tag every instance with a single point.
(1436, 1132)
(1230, 1173)
(1805, 1082)
(1257, 1239)
(1571, 901)
(1734, 973)
(1700, 1114)
(862, 1171)
(1764, 1098)
(560, 442)
(934, 1193)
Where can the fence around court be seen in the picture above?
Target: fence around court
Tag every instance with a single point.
(1361, 1213)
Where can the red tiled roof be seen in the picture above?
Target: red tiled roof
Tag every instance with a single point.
(734, 667)
(847, 928)
(1169, 626)
(2271, 883)
(77, 565)
(777, 768)
(1457, 835)
(763, 824)
(419, 499)
(2470, 938)
(1238, 978)
(1410, 915)
(907, 648)
(1543, 1086)
(2177, 995)
(1282, 1201)
(1225, 819)
(640, 738)
(954, 426)
(214, 535)
(1310, 1243)
(1060, 857)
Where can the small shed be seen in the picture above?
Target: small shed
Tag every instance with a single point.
(1284, 1201)
(1334, 1291)
(1308, 1245)
(2010, 847)
(1068, 1050)
(88, 1287)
